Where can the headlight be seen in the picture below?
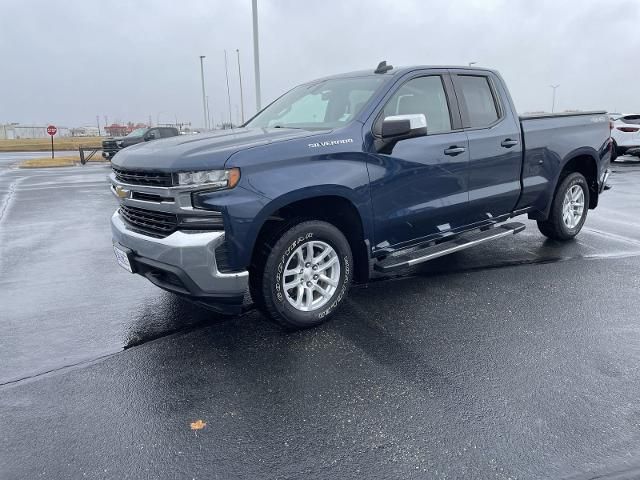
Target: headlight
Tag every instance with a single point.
(119, 144)
(217, 179)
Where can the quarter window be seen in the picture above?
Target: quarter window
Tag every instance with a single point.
(478, 98)
(424, 95)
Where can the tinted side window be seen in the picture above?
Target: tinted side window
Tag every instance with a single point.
(481, 106)
(168, 132)
(422, 95)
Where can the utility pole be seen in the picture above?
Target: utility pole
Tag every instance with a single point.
(240, 79)
(98, 122)
(204, 101)
(226, 71)
(256, 52)
(553, 103)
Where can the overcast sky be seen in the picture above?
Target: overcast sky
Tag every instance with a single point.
(67, 61)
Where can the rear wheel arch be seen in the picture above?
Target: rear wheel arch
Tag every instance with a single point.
(587, 165)
(584, 163)
(568, 208)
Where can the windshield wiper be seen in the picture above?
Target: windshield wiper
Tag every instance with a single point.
(281, 126)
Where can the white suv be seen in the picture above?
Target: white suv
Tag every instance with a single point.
(625, 133)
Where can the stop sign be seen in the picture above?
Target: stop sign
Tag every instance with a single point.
(52, 130)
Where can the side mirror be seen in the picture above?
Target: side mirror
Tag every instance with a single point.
(150, 136)
(401, 127)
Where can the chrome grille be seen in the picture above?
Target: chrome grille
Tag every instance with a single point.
(157, 224)
(141, 177)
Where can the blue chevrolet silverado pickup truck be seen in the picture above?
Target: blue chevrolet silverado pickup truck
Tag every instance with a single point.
(373, 170)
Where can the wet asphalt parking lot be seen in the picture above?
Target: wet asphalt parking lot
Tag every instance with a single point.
(517, 359)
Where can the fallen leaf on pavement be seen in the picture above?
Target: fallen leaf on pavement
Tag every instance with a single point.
(198, 425)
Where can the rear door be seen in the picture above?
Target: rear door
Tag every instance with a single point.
(420, 188)
(167, 132)
(495, 144)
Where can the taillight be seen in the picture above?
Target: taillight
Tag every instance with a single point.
(628, 129)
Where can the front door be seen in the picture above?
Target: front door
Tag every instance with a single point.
(420, 188)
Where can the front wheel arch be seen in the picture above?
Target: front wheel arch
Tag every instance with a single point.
(337, 210)
(267, 278)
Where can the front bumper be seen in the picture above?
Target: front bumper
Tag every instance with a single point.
(111, 149)
(183, 263)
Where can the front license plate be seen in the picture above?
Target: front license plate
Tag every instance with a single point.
(123, 259)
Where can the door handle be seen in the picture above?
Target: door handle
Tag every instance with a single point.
(508, 143)
(454, 150)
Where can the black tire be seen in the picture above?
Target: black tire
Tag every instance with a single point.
(554, 227)
(614, 151)
(266, 275)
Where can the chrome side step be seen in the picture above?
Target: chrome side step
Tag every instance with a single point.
(462, 242)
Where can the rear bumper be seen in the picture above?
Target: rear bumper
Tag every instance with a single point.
(183, 263)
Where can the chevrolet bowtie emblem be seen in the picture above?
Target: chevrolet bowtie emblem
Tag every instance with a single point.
(122, 192)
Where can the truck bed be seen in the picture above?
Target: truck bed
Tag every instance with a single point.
(548, 140)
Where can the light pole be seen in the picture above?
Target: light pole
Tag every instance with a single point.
(553, 102)
(256, 52)
(208, 114)
(240, 78)
(472, 63)
(204, 96)
(226, 71)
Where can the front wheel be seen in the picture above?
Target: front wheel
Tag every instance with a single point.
(304, 276)
(568, 210)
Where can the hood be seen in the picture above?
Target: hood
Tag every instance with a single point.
(202, 151)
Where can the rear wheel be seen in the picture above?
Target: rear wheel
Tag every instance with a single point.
(568, 210)
(303, 275)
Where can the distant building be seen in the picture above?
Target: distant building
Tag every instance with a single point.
(89, 131)
(116, 130)
(11, 131)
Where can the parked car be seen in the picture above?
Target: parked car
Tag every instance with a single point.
(375, 170)
(112, 145)
(625, 133)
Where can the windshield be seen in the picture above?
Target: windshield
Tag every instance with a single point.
(319, 105)
(138, 132)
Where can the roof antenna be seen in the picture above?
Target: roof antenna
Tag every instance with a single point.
(383, 67)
